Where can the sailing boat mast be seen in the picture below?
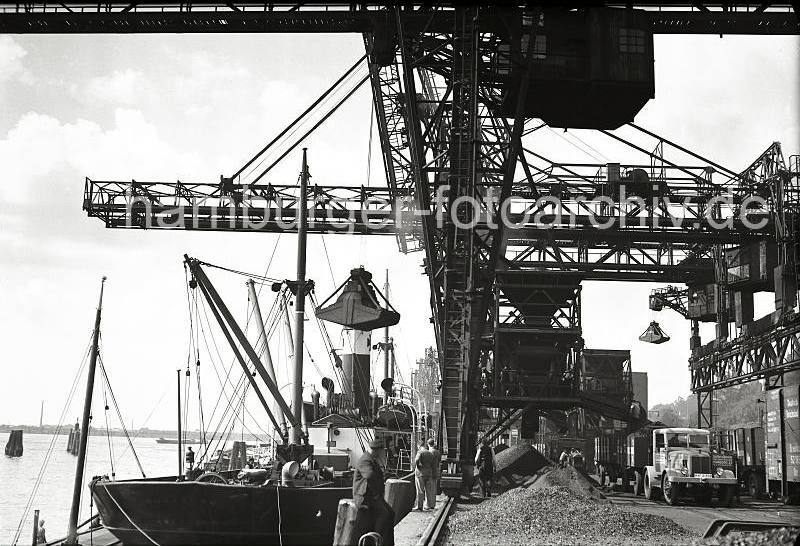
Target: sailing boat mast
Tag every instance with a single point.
(300, 304)
(72, 529)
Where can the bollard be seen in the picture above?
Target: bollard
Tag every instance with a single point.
(350, 523)
(35, 540)
(399, 495)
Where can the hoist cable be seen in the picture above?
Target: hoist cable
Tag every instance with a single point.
(301, 116)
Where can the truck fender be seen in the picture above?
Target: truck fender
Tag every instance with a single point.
(655, 478)
(670, 473)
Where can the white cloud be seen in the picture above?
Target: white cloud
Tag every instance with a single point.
(120, 87)
(40, 146)
(11, 55)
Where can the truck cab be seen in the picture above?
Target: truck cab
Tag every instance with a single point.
(684, 467)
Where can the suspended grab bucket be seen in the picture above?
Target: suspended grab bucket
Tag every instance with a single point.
(654, 334)
(357, 306)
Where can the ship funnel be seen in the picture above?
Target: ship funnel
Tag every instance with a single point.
(357, 305)
(654, 334)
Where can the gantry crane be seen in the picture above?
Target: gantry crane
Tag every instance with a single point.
(454, 94)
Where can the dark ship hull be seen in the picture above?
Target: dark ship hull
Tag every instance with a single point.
(199, 513)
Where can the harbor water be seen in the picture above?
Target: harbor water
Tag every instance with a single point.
(18, 476)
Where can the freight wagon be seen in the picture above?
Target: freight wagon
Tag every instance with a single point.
(747, 444)
(782, 443)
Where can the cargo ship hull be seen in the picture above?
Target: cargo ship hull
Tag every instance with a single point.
(197, 513)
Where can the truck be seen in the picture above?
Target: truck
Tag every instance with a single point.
(680, 465)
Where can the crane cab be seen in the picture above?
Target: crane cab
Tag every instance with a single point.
(591, 68)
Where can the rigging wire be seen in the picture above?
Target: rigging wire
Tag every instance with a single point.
(108, 433)
(119, 414)
(38, 480)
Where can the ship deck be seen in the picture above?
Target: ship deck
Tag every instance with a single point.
(99, 536)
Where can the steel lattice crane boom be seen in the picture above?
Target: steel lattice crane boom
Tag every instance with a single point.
(450, 92)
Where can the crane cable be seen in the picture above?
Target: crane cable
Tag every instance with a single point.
(308, 110)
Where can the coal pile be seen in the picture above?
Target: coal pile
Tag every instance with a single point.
(518, 464)
(783, 536)
(567, 477)
(558, 515)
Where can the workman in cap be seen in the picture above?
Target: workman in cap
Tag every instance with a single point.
(424, 479)
(486, 465)
(368, 491)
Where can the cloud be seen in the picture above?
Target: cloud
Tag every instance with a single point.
(120, 87)
(11, 67)
(39, 146)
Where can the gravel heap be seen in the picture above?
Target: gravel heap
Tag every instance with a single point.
(558, 515)
(516, 465)
(783, 536)
(565, 477)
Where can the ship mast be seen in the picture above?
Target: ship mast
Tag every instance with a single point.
(300, 304)
(72, 529)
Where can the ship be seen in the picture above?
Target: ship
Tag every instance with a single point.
(295, 500)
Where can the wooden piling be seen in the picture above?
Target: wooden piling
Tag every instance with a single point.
(238, 456)
(350, 523)
(399, 495)
(14, 445)
(35, 539)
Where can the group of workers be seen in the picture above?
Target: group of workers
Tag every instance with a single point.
(572, 458)
(427, 471)
(369, 487)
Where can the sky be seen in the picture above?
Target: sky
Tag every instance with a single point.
(194, 107)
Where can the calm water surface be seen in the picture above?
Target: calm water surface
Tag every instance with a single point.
(18, 475)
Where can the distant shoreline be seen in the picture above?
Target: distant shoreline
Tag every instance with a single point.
(135, 433)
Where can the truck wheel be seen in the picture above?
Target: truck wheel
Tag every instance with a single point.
(650, 492)
(726, 494)
(638, 484)
(671, 491)
(754, 485)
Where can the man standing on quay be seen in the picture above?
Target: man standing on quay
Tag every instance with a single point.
(424, 474)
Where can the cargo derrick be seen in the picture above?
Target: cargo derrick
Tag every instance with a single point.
(443, 84)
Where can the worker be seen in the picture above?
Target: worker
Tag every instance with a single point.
(423, 477)
(189, 459)
(485, 463)
(563, 458)
(437, 466)
(41, 536)
(368, 491)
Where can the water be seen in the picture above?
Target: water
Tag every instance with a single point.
(18, 475)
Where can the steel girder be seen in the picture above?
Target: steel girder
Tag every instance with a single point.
(768, 18)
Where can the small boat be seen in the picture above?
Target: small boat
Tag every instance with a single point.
(174, 441)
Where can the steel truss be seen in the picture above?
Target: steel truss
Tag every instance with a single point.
(763, 18)
(435, 100)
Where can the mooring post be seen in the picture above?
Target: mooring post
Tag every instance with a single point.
(350, 520)
(34, 541)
